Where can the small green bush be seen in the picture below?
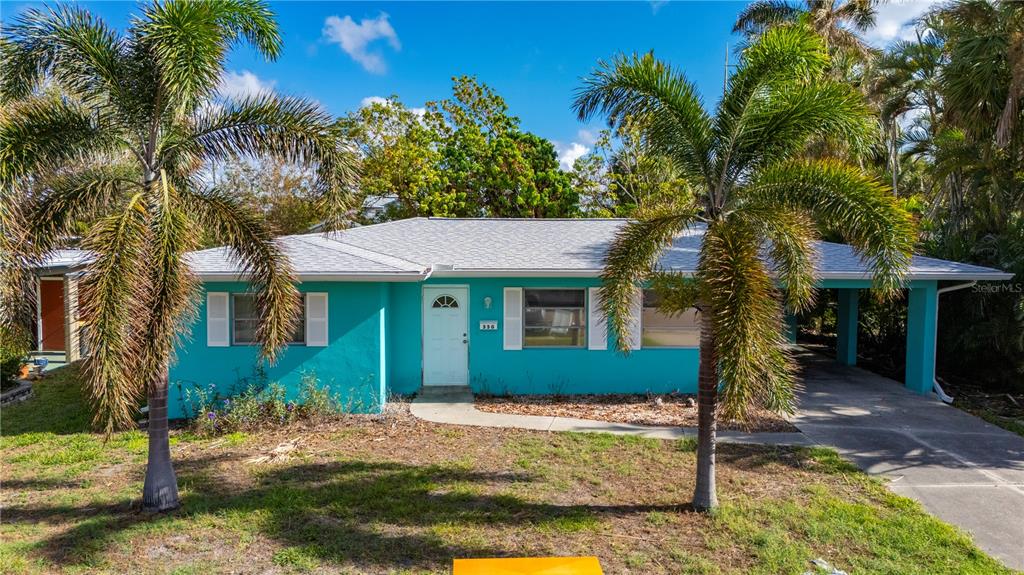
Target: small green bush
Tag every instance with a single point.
(259, 406)
(14, 349)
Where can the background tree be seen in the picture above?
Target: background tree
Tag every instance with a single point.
(950, 101)
(618, 180)
(134, 125)
(752, 188)
(464, 156)
(283, 193)
(839, 23)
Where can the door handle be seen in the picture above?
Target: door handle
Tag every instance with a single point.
(465, 341)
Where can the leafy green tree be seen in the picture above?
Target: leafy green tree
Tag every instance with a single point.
(752, 189)
(399, 157)
(283, 193)
(135, 123)
(464, 156)
(619, 181)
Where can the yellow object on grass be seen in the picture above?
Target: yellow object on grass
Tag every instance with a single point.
(528, 566)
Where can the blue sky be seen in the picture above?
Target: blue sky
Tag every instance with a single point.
(533, 54)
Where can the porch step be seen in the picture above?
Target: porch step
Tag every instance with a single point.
(446, 393)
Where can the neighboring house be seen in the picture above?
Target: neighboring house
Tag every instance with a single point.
(501, 305)
(58, 326)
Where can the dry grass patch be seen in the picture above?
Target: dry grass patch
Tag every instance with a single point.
(670, 410)
(397, 495)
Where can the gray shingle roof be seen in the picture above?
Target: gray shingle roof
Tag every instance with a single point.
(511, 247)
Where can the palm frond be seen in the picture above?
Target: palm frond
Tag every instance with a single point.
(68, 44)
(676, 293)
(762, 15)
(645, 90)
(753, 364)
(39, 135)
(782, 121)
(844, 200)
(631, 260)
(64, 199)
(790, 234)
(292, 129)
(190, 41)
(783, 59)
(17, 258)
(171, 301)
(262, 261)
(111, 297)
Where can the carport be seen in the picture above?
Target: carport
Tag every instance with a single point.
(927, 279)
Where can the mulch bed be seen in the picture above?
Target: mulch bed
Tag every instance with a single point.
(671, 410)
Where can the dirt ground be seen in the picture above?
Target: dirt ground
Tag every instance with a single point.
(671, 409)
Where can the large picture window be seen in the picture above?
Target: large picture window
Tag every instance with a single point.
(245, 320)
(554, 317)
(661, 330)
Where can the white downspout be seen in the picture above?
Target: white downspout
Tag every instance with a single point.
(942, 395)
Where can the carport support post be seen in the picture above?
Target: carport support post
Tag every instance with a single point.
(921, 326)
(846, 329)
(792, 327)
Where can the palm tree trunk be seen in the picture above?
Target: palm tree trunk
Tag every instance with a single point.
(704, 496)
(160, 491)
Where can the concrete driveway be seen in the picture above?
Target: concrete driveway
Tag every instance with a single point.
(963, 470)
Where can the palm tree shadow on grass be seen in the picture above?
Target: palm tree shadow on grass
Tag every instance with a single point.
(362, 514)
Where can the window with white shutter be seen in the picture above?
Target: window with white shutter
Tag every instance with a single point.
(316, 319)
(217, 320)
(513, 302)
(597, 337)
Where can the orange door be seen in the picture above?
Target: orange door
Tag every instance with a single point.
(51, 300)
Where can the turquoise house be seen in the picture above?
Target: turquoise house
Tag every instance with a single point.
(499, 305)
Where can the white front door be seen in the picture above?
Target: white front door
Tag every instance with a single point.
(445, 336)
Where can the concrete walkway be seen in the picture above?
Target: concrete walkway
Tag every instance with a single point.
(963, 470)
(455, 405)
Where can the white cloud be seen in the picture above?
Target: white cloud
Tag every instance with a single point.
(586, 137)
(370, 100)
(238, 85)
(355, 39)
(895, 21)
(567, 156)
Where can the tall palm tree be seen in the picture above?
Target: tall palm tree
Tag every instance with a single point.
(838, 22)
(753, 190)
(123, 145)
(905, 85)
(984, 79)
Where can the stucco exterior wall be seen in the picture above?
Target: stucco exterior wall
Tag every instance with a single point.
(375, 349)
(352, 364)
(538, 370)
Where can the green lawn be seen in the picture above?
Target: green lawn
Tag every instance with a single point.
(396, 495)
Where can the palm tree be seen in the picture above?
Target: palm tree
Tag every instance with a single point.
(984, 79)
(905, 84)
(123, 146)
(750, 188)
(837, 22)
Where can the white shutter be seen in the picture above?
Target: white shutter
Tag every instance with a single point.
(217, 332)
(597, 324)
(513, 298)
(316, 319)
(636, 309)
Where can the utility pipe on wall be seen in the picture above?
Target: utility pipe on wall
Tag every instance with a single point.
(942, 395)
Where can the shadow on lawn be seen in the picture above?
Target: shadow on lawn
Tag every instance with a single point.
(379, 514)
